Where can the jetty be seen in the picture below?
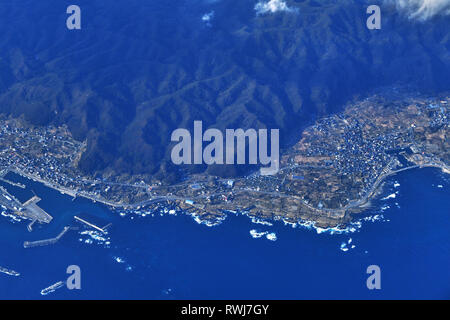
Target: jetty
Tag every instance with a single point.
(30, 225)
(103, 230)
(46, 242)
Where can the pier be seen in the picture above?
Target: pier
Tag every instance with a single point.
(15, 184)
(3, 173)
(34, 212)
(34, 199)
(12, 201)
(46, 242)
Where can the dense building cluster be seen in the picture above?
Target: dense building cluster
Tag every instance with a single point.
(332, 172)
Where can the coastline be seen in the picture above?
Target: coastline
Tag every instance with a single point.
(359, 205)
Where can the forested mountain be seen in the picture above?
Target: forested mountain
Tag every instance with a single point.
(138, 69)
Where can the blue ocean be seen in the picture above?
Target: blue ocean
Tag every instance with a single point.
(170, 256)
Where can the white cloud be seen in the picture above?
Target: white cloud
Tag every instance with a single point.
(271, 6)
(422, 9)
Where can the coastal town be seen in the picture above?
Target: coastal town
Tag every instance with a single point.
(327, 177)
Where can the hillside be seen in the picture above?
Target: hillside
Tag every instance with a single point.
(140, 69)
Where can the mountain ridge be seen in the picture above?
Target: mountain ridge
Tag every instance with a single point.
(137, 71)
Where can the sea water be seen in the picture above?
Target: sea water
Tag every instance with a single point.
(170, 256)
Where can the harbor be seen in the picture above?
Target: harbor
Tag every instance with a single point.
(28, 210)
